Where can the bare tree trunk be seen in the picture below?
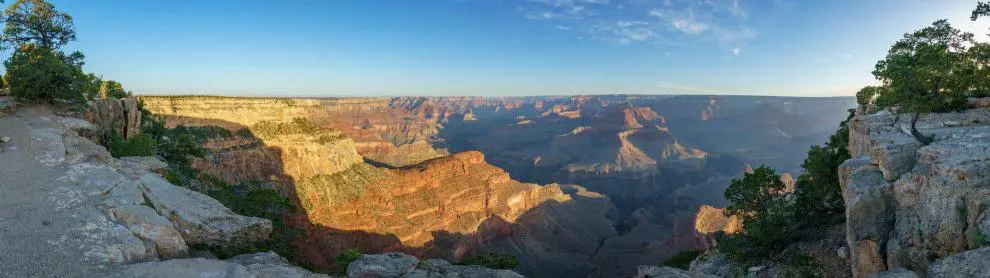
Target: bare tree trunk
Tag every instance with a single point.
(914, 128)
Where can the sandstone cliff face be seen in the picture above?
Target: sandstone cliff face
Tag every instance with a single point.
(392, 131)
(454, 206)
(908, 204)
(711, 220)
(113, 115)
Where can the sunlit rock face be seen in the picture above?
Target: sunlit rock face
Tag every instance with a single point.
(454, 206)
(909, 204)
(711, 220)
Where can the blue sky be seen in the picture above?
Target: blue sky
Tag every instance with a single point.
(497, 48)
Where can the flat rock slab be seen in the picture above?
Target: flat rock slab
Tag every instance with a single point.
(201, 219)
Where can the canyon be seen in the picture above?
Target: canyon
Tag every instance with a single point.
(575, 186)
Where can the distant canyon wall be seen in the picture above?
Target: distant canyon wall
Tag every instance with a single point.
(649, 163)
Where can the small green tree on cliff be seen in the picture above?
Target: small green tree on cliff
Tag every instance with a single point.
(38, 73)
(926, 71)
(767, 218)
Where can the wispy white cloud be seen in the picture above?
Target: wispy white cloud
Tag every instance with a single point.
(671, 22)
(562, 27)
(735, 51)
(690, 27)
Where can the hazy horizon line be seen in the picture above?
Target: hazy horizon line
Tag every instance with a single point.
(470, 96)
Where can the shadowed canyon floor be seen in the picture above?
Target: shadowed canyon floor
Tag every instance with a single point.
(383, 179)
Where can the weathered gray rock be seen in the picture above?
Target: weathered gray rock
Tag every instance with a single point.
(440, 269)
(869, 219)
(145, 223)
(402, 265)
(907, 204)
(7, 105)
(269, 264)
(895, 153)
(650, 271)
(201, 219)
(382, 265)
(80, 126)
(895, 273)
(82, 150)
(114, 115)
(184, 268)
(717, 264)
(135, 166)
(973, 263)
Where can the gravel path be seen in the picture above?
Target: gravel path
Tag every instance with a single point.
(39, 207)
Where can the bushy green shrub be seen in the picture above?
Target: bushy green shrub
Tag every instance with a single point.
(805, 266)
(140, 145)
(270, 129)
(492, 260)
(36, 73)
(819, 197)
(113, 89)
(201, 133)
(343, 260)
(764, 234)
(683, 259)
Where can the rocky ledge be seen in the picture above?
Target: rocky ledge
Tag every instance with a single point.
(918, 206)
(70, 209)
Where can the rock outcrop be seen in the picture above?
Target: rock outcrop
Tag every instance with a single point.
(113, 115)
(265, 264)
(974, 263)
(69, 208)
(649, 271)
(402, 265)
(452, 207)
(201, 219)
(711, 220)
(907, 203)
(7, 105)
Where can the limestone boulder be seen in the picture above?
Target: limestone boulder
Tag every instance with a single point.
(973, 263)
(7, 105)
(147, 224)
(717, 265)
(894, 154)
(869, 219)
(440, 268)
(402, 265)
(184, 268)
(135, 166)
(382, 265)
(269, 264)
(202, 220)
(652, 271)
(895, 273)
(114, 115)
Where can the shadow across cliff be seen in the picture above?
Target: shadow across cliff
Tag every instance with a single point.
(551, 239)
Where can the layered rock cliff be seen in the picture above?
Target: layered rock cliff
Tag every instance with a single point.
(70, 209)
(909, 204)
